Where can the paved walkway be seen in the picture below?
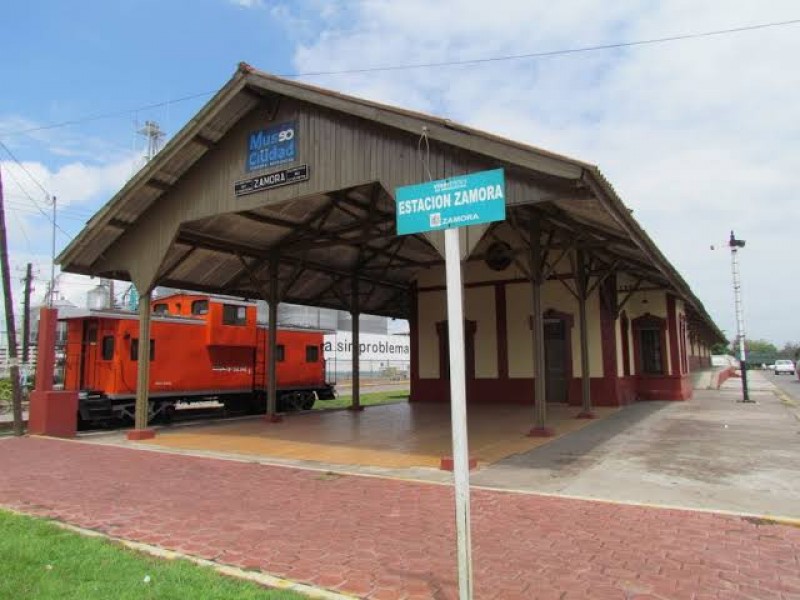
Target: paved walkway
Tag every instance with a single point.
(383, 539)
(711, 453)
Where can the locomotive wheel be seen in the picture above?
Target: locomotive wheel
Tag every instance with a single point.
(308, 404)
(168, 414)
(258, 404)
(291, 401)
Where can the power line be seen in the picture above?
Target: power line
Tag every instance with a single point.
(410, 66)
(36, 204)
(29, 211)
(65, 212)
(77, 210)
(109, 115)
(551, 53)
(21, 228)
(21, 166)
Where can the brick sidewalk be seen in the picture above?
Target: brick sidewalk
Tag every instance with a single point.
(383, 538)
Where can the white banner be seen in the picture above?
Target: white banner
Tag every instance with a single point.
(339, 347)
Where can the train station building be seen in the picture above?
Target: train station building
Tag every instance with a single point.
(281, 191)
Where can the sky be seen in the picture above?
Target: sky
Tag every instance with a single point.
(698, 136)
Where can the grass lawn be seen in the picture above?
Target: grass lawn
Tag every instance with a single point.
(366, 399)
(41, 561)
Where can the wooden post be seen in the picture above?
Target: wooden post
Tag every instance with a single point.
(581, 281)
(540, 428)
(11, 332)
(26, 317)
(356, 351)
(272, 371)
(142, 414)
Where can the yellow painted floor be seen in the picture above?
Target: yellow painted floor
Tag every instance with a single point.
(392, 436)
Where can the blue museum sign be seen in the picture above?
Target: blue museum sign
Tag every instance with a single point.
(455, 202)
(276, 145)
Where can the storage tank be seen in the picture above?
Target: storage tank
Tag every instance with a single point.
(98, 298)
(296, 315)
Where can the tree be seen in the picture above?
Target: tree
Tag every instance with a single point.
(720, 348)
(790, 350)
(762, 347)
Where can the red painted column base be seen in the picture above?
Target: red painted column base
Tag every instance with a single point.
(586, 414)
(448, 464)
(53, 413)
(273, 418)
(137, 435)
(542, 432)
(358, 408)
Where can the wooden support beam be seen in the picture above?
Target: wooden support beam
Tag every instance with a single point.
(204, 141)
(631, 292)
(272, 339)
(118, 224)
(537, 332)
(178, 262)
(225, 246)
(602, 278)
(142, 409)
(159, 184)
(581, 281)
(355, 353)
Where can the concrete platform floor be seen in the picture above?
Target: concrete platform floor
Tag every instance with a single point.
(711, 452)
(394, 436)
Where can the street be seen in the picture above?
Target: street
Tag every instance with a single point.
(789, 384)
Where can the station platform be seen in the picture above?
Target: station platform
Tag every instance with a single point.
(396, 436)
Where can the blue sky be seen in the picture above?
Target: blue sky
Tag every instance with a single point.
(698, 136)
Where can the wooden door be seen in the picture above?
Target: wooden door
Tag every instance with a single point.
(555, 360)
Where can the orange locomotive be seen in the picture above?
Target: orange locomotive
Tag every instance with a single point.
(201, 348)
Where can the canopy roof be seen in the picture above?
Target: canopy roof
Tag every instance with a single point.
(178, 222)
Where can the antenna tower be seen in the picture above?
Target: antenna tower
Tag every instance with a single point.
(154, 136)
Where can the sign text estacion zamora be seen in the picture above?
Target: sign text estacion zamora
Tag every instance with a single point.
(449, 195)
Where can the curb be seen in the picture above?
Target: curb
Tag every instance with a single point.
(787, 401)
(752, 517)
(259, 577)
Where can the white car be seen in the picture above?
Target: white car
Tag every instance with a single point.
(784, 366)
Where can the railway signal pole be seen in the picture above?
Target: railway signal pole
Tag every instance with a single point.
(734, 244)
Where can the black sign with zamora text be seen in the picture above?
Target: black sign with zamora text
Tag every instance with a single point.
(271, 180)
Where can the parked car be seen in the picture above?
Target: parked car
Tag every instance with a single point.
(784, 366)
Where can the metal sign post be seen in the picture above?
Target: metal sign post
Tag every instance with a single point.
(449, 204)
(458, 409)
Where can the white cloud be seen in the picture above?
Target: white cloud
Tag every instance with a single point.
(247, 3)
(698, 136)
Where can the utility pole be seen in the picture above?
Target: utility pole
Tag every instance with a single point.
(10, 327)
(52, 292)
(734, 245)
(26, 316)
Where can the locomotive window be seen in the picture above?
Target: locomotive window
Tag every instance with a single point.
(234, 315)
(160, 309)
(280, 353)
(200, 307)
(108, 347)
(312, 354)
(135, 349)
